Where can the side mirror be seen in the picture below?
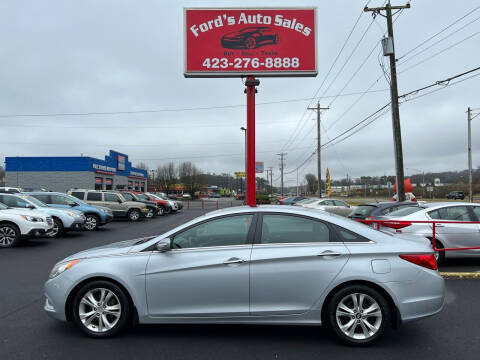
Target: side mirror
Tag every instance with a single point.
(163, 245)
(72, 204)
(31, 207)
(119, 201)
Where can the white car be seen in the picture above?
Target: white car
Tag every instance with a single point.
(338, 207)
(18, 223)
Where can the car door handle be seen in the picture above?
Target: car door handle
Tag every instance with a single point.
(234, 260)
(330, 253)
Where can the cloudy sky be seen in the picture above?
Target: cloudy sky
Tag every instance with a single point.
(65, 56)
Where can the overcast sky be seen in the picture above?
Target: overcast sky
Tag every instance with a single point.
(60, 56)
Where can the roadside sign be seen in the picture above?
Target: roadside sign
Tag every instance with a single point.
(240, 174)
(259, 167)
(234, 42)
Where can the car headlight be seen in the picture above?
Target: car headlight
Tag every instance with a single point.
(32, 218)
(60, 268)
(103, 210)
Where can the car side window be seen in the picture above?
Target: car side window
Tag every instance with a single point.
(226, 231)
(349, 236)
(340, 203)
(278, 229)
(128, 196)
(111, 197)
(59, 200)
(328, 203)
(78, 194)
(44, 198)
(476, 211)
(15, 202)
(94, 196)
(458, 213)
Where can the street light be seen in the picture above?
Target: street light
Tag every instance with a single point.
(244, 129)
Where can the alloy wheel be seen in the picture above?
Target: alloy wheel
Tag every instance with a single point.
(134, 215)
(90, 223)
(7, 236)
(359, 316)
(149, 213)
(99, 310)
(54, 231)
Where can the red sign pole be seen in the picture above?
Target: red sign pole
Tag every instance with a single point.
(250, 83)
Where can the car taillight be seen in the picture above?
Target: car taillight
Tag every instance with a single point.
(397, 225)
(426, 260)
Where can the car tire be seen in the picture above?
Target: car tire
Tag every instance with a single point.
(9, 235)
(250, 43)
(168, 211)
(57, 230)
(439, 255)
(150, 213)
(352, 324)
(133, 215)
(101, 317)
(91, 222)
(161, 211)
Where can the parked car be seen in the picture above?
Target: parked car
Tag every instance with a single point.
(164, 205)
(95, 216)
(240, 196)
(252, 265)
(290, 200)
(10, 189)
(152, 208)
(186, 196)
(456, 195)
(334, 206)
(372, 210)
(63, 220)
(446, 235)
(16, 224)
(174, 203)
(214, 195)
(121, 208)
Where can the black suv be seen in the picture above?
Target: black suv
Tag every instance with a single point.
(456, 195)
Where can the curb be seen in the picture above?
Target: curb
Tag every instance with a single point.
(460, 275)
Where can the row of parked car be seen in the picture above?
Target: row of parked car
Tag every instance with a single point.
(51, 214)
(459, 227)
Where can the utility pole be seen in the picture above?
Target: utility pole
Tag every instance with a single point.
(319, 159)
(389, 50)
(470, 188)
(282, 165)
(297, 181)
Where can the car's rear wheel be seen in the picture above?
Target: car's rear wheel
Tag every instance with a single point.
(358, 314)
(133, 215)
(91, 222)
(101, 309)
(57, 229)
(9, 235)
(250, 42)
(439, 255)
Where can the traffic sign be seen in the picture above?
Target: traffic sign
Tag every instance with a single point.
(259, 166)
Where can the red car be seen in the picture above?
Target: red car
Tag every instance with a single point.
(163, 205)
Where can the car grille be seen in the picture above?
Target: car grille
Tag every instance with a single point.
(49, 220)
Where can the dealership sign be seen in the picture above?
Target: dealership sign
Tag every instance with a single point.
(257, 42)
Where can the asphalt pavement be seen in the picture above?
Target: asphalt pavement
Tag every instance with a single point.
(26, 332)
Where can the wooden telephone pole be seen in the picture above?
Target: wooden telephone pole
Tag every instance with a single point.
(389, 50)
(319, 158)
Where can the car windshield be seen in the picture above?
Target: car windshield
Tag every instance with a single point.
(75, 200)
(142, 197)
(306, 201)
(405, 211)
(34, 201)
(157, 197)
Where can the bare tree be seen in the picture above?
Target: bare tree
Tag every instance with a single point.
(141, 165)
(188, 175)
(312, 184)
(166, 176)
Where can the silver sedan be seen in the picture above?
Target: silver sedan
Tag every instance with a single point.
(447, 234)
(263, 265)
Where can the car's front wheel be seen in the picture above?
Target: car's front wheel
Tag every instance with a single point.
(357, 315)
(91, 222)
(133, 215)
(150, 213)
(57, 229)
(9, 235)
(101, 309)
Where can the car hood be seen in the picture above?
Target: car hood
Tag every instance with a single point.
(120, 247)
(103, 208)
(59, 212)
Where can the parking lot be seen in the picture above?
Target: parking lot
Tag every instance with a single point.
(26, 332)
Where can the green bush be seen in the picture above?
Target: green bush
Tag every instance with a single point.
(262, 199)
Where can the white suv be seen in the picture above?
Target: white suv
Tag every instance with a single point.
(18, 223)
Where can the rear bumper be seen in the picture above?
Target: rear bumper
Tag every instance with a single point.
(420, 298)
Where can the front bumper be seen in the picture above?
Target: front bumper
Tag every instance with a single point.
(76, 223)
(56, 292)
(106, 218)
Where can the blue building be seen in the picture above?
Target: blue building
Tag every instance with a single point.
(63, 173)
